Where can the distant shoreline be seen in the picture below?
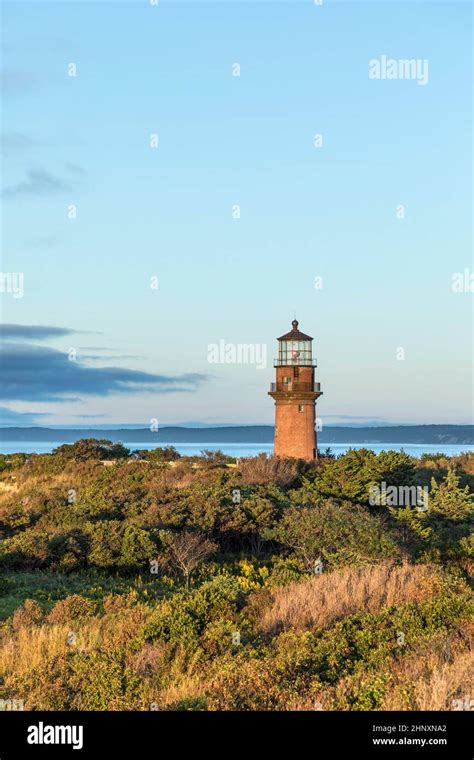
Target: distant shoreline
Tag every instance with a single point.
(427, 434)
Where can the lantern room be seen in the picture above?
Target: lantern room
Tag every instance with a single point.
(294, 349)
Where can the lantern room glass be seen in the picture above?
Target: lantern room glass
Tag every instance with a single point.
(294, 352)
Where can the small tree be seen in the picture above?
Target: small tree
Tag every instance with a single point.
(444, 529)
(450, 516)
(186, 552)
(216, 458)
(92, 448)
(163, 454)
(449, 500)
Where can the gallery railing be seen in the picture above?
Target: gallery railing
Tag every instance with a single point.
(295, 386)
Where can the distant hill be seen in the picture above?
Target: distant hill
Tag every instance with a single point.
(430, 434)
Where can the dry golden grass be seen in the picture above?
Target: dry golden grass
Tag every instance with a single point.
(32, 647)
(168, 674)
(268, 469)
(440, 677)
(319, 602)
(447, 686)
(184, 689)
(465, 461)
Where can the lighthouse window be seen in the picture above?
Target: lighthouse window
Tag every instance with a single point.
(295, 352)
(300, 407)
(287, 380)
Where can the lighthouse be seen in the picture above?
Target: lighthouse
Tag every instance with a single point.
(295, 394)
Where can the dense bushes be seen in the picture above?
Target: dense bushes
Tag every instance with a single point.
(333, 535)
(350, 476)
(360, 648)
(183, 618)
(204, 649)
(91, 515)
(159, 582)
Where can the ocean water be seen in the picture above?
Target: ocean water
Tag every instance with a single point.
(248, 449)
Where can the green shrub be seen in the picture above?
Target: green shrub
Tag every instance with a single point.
(338, 534)
(137, 548)
(102, 681)
(72, 608)
(188, 704)
(183, 618)
(91, 448)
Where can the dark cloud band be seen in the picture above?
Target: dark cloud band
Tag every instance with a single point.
(40, 373)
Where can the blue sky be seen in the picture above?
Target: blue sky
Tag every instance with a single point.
(224, 140)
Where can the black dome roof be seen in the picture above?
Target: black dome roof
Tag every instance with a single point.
(295, 334)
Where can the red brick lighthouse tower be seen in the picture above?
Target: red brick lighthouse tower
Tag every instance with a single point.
(295, 394)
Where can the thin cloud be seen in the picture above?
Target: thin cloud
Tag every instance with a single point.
(96, 348)
(13, 81)
(15, 141)
(75, 169)
(33, 332)
(100, 358)
(38, 182)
